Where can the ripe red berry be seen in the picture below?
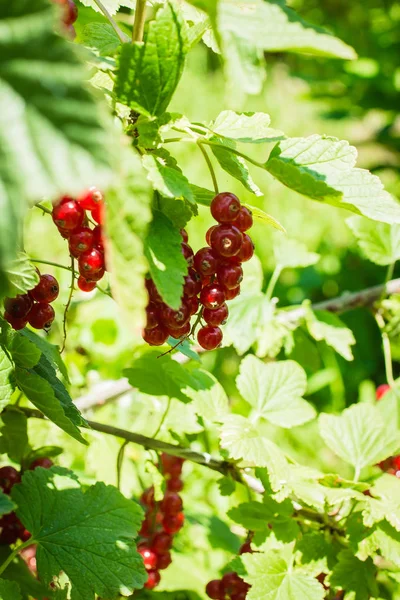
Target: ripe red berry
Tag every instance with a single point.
(231, 583)
(98, 238)
(188, 253)
(10, 528)
(68, 215)
(396, 463)
(80, 241)
(212, 296)
(381, 390)
(230, 275)
(164, 560)
(147, 498)
(25, 535)
(215, 590)
(85, 285)
(98, 213)
(231, 294)
(225, 207)
(8, 478)
(184, 235)
(192, 304)
(205, 262)
(244, 220)
(44, 462)
(19, 306)
(153, 580)
(174, 484)
(247, 250)
(96, 276)
(149, 558)
(226, 240)
(16, 324)
(173, 523)
(151, 316)
(171, 504)
(152, 291)
(162, 542)
(208, 234)
(192, 285)
(217, 316)
(209, 337)
(155, 337)
(41, 315)
(172, 465)
(184, 331)
(174, 319)
(91, 197)
(91, 262)
(46, 290)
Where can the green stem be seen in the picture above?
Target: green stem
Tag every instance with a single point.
(120, 460)
(121, 35)
(210, 167)
(234, 151)
(387, 351)
(357, 472)
(272, 282)
(71, 292)
(140, 18)
(43, 208)
(14, 554)
(162, 421)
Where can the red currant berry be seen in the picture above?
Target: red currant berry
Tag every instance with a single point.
(209, 337)
(91, 197)
(44, 462)
(171, 504)
(162, 542)
(246, 548)
(205, 262)
(230, 275)
(153, 580)
(80, 241)
(215, 590)
(182, 332)
(174, 484)
(226, 240)
(98, 213)
(212, 296)
(149, 558)
(147, 498)
(208, 234)
(173, 523)
(10, 528)
(172, 465)
(244, 220)
(188, 253)
(155, 337)
(19, 306)
(90, 262)
(8, 478)
(164, 560)
(96, 276)
(216, 316)
(46, 290)
(381, 390)
(225, 207)
(192, 285)
(174, 319)
(247, 250)
(41, 315)
(184, 235)
(16, 324)
(231, 294)
(98, 238)
(71, 13)
(151, 316)
(396, 463)
(85, 285)
(192, 304)
(25, 535)
(68, 215)
(152, 291)
(231, 583)
(239, 595)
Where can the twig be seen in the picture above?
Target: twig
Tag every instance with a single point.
(140, 17)
(121, 35)
(210, 167)
(71, 292)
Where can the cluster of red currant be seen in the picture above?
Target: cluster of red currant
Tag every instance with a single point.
(11, 528)
(35, 306)
(69, 16)
(215, 274)
(163, 520)
(85, 244)
(392, 464)
(231, 586)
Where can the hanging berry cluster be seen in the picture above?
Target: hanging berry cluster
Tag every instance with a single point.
(85, 244)
(69, 16)
(231, 586)
(35, 306)
(162, 521)
(215, 274)
(11, 528)
(390, 465)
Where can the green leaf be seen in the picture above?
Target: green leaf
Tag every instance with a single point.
(168, 267)
(128, 215)
(359, 435)
(273, 27)
(318, 554)
(226, 485)
(24, 352)
(275, 391)
(19, 572)
(322, 168)
(102, 37)
(233, 164)
(266, 517)
(210, 7)
(87, 535)
(22, 275)
(178, 211)
(245, 127)
(355, 576)
(40, 392)
(293, 254)
(7, 383)
(246, 313)
(111, 5)
(379, 242)
(202, 195)
(323, 325)
(14, 434)
(209, 397)
(384, 503)
(50, 351)
(169, 181)
(148, 73)
(6, 505)
(263, 217)
(9, 590)
(273, 577)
